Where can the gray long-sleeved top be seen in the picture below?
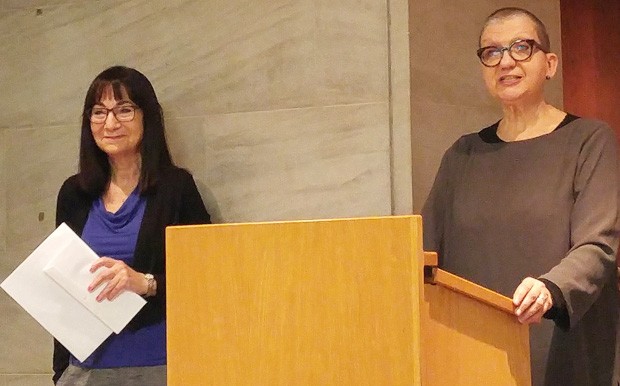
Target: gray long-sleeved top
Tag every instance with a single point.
(545, 207)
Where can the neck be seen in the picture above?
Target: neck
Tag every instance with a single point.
(125, 171)
(528, 121)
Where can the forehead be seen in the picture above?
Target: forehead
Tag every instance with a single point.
(505, 30)
(112, 92)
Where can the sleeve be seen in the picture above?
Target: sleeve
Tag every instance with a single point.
(60, 359)
(61, 204)
(594, 232)
(434, 209)
(557, 312)
(192, 211)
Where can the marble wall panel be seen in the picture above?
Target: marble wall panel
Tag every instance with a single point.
(298, 164)
(35, 162)
(186, 140)
(203, 57)
(351, 51)
(40, 160)
(400, 109)
(24, 4)
(25, 379)
(3, 188)
(27, 346)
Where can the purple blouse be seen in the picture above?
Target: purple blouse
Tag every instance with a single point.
(114, 235)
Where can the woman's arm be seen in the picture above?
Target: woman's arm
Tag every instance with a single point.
(591, 262)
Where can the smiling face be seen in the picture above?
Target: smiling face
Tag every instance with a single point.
(115, 138)
(513, 82)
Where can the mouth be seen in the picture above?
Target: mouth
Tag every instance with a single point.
(509, 78)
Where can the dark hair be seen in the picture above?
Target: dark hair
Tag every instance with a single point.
(94, 167)
(504, 13)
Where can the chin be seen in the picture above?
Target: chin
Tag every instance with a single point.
(509, 98)
(115, 152)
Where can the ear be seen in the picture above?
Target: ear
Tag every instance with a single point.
(552, 65)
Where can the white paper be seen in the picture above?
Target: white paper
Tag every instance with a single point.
(71, 270)
(51, 285)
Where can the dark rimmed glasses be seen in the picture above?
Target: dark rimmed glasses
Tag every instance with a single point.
(519, 50)
(122, 113)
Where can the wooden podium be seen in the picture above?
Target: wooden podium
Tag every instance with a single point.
(331, 302)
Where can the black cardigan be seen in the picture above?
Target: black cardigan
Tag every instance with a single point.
(174, 201)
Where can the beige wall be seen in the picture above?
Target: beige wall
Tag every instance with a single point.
(281, 109)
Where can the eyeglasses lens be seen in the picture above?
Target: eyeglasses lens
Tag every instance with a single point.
(122, 113)
(519, 51)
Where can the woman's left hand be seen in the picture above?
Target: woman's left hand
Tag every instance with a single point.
(531, 299)
(118, 277)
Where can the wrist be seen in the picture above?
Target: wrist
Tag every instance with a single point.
(151, 285)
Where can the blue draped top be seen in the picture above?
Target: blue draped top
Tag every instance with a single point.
(114, 235)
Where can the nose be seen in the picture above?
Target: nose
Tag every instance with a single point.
(506, 60)
(110, 121)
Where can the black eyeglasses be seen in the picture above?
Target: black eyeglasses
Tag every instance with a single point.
(519, 50)
(122, 113)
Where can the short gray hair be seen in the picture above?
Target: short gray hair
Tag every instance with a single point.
(505, 13)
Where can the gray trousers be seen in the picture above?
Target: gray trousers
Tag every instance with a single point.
(122, 376)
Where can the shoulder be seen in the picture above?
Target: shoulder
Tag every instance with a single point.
(174, 181)
(175, 175)
(590, 127)
(71, 183)
(453, 158)
(465, 144)
(588, 134)
(72, 204)
(70, 188)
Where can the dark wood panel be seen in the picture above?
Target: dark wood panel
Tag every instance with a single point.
(591, 58)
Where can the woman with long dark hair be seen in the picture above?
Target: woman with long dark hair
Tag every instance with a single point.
(126, 192)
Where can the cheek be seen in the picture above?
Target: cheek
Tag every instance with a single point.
(139, 135)
(488, 76)
(96, 131)
(138, 129)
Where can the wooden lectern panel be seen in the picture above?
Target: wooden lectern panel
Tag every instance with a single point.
(332, 302)
(471, 337)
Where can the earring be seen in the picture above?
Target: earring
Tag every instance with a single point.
(547, 77)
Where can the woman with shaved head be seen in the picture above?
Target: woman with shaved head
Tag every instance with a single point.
(529, 208)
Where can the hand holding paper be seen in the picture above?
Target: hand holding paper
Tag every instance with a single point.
(52, 286)
(115, 276)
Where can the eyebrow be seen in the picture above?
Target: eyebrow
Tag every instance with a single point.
(119, 103)
(511, 41)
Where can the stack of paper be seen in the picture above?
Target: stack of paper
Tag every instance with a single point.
(52, 286)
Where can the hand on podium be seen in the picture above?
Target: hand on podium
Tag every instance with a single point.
(531, 299)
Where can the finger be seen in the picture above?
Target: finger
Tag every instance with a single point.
(102, 262)
(121, 285)
(106, 290)
(536, 318)
(102, 277)
(528, 300)
(535, 310)
(522, 290)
